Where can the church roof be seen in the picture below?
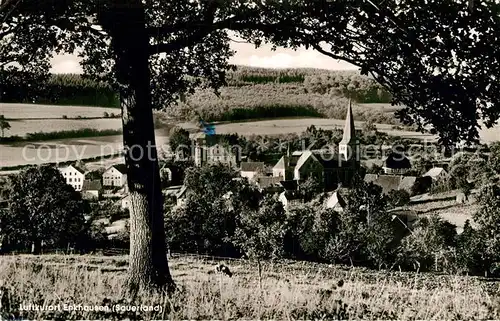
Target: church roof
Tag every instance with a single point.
(287, 162)
(303, 159)
(349, 128)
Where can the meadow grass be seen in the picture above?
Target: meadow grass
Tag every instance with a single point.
(289, 291)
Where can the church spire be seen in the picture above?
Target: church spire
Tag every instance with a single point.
(349, 129)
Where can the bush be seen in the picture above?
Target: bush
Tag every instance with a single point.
(398, 198)
(430, 246)
(105, 114)
(64, 117)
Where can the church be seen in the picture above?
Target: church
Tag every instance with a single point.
(331, 169)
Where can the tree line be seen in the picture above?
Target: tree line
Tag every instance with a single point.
(57, 89)
(235, 219)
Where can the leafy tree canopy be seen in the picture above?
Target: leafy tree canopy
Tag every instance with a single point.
(449, 49)
(42, 207)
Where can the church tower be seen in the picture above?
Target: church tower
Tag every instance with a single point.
(349, 146)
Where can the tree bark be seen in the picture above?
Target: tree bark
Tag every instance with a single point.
(148, 265)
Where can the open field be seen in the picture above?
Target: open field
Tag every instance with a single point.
(23, 127)
(296, 125)
(35, 111)
(450, 211)
(289, 291)
(36, 153)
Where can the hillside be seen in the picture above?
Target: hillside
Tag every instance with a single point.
(250, 93)
(290, 290)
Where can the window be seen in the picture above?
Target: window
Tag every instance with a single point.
(70, 179)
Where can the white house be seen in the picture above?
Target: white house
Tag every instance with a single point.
(74, 176)
(116, 175)
(251, 169)
(437, 174)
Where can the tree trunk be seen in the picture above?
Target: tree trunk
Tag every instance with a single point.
(148, 265)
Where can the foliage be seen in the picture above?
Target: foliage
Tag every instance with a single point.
(179, 137)
(421, 186)
(366, 233)
(206, 224)
(430, 245)
(396, 198)
(260, 233)
(494, 158)
(310, 188)
(61, 89)
(270, 101)
(61, 134)
(42, 207)
(472, 256)
(488, 220)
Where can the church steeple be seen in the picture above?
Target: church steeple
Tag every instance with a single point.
(349, 129)
(349, 146)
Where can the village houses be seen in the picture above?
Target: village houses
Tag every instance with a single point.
(115, 176)
(73, 175)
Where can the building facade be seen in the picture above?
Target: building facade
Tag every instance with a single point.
(74, 176)
(331, 169)
(115, 176)
(210, 150)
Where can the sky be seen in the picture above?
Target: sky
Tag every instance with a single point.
(247, 55)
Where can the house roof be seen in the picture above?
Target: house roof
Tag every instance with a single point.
(335, 199)
(306, 155)
(407, 183)
(290, 185)
(91, 185)
(80, 170)
(391, 182)
(252, 166)
(397, 161)
(172, 190)
(349, 128)
(370, 178)
(122, 168)
(287, 162)
(387, 182)
(435, 172)
(268, 181)
(181, 192)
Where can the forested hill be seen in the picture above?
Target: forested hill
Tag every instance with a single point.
(250, 93)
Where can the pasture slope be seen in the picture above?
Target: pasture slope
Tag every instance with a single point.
(290, 291)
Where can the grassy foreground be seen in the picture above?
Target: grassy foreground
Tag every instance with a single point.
(289, 291)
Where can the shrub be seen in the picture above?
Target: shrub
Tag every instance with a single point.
(64, 117)
(398, 198)
(430, 246)
(105, 114)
